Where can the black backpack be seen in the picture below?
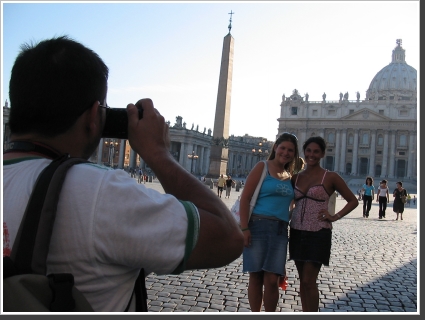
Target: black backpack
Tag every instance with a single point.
(26, 288)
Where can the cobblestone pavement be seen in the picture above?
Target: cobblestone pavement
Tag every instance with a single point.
(373, 268)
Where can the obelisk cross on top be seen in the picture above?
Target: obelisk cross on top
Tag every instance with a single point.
(219, 153)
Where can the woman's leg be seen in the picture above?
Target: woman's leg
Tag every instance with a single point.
(309, 293)
(364, 206)
(255, 290)
(369, 204)
(384, 206)
(271, 291)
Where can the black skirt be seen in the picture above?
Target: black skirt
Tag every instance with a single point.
(314, 246)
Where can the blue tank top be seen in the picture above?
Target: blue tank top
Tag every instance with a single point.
(274, 198)
(368, 189)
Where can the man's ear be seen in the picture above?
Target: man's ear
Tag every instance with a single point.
(92, 117)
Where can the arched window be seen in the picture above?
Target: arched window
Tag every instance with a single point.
(380, 140)
(403, 140)
(365, 138)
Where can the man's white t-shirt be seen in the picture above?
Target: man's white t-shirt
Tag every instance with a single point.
(107, 228)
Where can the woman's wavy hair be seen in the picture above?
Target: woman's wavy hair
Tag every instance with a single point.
(286, 136)
(371, 180)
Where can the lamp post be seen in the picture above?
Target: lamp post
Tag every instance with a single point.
(260, 152)
(112, 144)
(192, 156)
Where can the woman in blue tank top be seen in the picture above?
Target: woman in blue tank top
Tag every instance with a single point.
(266, 231)
(369, 193)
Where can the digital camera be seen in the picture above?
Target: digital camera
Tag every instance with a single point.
(116, 124)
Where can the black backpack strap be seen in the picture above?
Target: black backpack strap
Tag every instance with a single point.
(23, 248)
(140, 293)
(48, 215)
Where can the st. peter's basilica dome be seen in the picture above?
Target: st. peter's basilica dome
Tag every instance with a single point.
(396, 81)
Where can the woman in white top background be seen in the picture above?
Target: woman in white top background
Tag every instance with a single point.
(383, 197)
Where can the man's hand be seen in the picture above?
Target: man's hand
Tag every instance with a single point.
(147, 136)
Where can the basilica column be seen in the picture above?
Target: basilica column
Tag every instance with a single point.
(337, 150)
(232, 158)
(183, 155)
(343, 150)
(133, 155)
(205, 162)
(122, 153)
(384, 171)
(244, 161)
(411, 150)
(301, 140)
(99, 151)
(199, 162)
(355, 153)
(372, 154)
(392, 155)
(322, 134)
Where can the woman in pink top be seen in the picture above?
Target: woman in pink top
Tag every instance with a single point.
(311, 223)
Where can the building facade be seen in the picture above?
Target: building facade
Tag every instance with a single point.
(191, 148)
(374, 137)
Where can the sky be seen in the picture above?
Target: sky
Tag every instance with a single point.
(171, 51)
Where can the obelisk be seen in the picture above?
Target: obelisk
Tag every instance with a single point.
(219, 154)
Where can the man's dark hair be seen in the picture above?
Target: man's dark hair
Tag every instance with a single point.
(52, 83)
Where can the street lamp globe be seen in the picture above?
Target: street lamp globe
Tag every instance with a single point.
(192, 156)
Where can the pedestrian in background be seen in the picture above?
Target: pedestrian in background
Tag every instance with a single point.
(229, 184)
(383, 198)
(398, 205)
(311, 224)
(369, 193)
(220, 185)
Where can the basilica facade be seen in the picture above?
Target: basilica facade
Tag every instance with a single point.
(374, 137)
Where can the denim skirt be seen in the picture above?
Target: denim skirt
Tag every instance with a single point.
(269, 245)
(314, 246)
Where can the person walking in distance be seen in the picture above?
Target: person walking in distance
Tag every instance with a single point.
(368, 196)
(221, 182)
(383, 198)
(398, 205)
(311, 224)
(229, 184)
